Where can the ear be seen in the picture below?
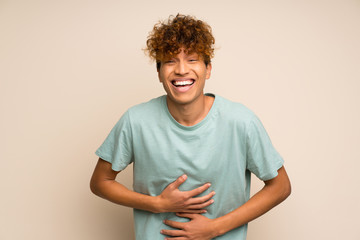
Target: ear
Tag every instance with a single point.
(208, 70)
(158, 67)
(158, 72)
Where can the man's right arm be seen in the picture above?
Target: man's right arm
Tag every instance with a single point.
(103, 184)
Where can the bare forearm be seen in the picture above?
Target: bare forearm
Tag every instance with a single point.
(259, 204)
(171, 198)
(273, 193)
(119, 194)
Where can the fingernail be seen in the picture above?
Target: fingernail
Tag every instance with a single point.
(212, 200)
(209, 184)
(184, 176)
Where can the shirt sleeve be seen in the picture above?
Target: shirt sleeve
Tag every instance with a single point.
(117, 147)
(262, 158)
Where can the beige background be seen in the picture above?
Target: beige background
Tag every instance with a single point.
(69, 69)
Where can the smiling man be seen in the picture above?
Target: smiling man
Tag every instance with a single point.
(183, 77)
(186, 146)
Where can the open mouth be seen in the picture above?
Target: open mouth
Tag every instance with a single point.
(183, 83)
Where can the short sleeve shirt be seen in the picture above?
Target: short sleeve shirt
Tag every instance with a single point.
(224, 149)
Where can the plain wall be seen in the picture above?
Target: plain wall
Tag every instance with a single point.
(69, 69)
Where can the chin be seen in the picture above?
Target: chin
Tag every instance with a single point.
(183, 100)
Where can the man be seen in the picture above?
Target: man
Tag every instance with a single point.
(186, 146)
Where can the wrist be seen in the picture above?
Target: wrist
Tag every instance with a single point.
(157, 204)
(217, 227)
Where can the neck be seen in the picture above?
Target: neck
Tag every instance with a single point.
(191, 113)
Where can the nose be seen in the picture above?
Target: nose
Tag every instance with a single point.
(181, 68)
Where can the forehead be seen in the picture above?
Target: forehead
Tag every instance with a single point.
(182, 53)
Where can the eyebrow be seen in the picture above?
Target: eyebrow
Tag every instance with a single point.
(191, 55)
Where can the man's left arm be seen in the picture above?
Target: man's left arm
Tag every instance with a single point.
(200, 227)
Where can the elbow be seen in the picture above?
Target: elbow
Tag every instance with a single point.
(94, 188)
(286, 191)
(281, 190)
(284, 185)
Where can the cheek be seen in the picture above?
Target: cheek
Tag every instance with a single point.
(161, 76)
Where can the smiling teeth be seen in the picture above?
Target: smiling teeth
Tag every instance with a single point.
(183, 83)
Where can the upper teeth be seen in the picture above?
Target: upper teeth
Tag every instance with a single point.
(182, 83)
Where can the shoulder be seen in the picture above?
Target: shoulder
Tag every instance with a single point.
(234, 111)
(150, 105)
(138, 115)
(146, 110)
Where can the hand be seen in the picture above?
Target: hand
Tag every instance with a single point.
(174, 200)
(199, 227)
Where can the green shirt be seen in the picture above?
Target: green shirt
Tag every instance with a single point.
(223, 149)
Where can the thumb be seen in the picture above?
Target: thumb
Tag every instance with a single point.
(179, 181)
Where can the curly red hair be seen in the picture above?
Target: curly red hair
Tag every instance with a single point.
(168, 37)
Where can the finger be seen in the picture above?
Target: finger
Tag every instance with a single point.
(179, 181)
(173, 233)
(202, 205)
(175, 238)
(199, 190)
(187, 215)
(199, 200)
(179, 225)
(198, 211)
